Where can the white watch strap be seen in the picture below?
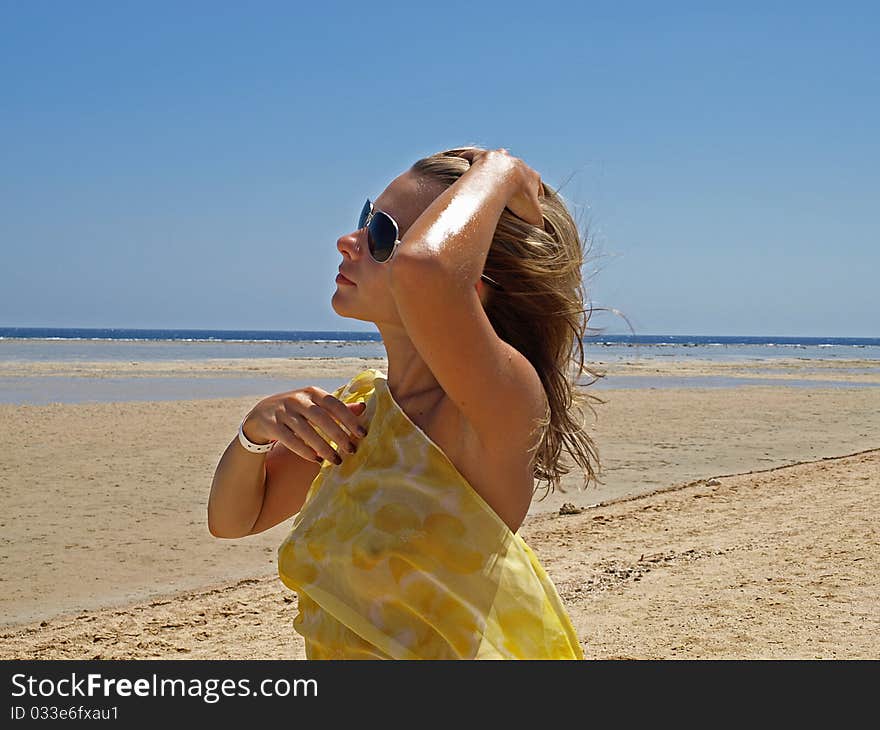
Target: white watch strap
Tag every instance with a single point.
(250, 445)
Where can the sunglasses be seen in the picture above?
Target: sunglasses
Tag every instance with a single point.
(383, 235)
(382, 232)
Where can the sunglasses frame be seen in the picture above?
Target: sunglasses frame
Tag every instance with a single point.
(372, 213)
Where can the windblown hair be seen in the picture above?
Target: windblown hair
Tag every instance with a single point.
(538, 308)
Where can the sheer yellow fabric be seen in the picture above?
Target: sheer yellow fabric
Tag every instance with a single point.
(395, 556)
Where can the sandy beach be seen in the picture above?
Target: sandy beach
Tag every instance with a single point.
(105, 549)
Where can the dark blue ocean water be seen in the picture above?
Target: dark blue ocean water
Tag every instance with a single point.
(60, 344)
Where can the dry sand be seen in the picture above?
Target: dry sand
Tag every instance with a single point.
(105, 550)
(775, 564)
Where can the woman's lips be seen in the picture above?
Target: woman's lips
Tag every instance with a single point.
(340, 279)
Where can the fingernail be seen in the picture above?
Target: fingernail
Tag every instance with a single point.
(362, 431)
(337, 458)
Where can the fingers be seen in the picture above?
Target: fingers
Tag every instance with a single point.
(341, 412)
(292, 442)
(301, 430)
(307, 421)
(315, 418)
(318, 416)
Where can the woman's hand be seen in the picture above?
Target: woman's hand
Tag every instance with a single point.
(292, 417)
(524, 202)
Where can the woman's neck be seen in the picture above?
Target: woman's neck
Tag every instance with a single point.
(409, 378)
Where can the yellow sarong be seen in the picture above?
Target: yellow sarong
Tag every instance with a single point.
(394, 555)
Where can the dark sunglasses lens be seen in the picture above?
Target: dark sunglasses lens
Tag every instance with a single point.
(362, 221)
(382, 236)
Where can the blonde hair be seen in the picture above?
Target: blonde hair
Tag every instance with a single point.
(536, 305)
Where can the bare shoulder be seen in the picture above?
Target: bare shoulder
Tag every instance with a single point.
(515, 428)
(498, 464)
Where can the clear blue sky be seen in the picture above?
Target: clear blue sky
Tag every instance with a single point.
(191, 165)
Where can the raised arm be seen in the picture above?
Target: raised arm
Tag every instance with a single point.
(433, 277)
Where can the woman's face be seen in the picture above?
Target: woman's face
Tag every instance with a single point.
(368, 297)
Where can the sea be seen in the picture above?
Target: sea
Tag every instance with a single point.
(45, 344)
(58, 344)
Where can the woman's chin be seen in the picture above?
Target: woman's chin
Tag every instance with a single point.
(344, 311)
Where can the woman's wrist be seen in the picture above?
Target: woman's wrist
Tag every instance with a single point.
(247, 429)
(255, 443)
(503, 170)
(522, 185)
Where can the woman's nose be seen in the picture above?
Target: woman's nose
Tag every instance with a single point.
(350, 244)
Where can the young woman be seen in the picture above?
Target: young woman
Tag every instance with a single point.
(409, 488)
